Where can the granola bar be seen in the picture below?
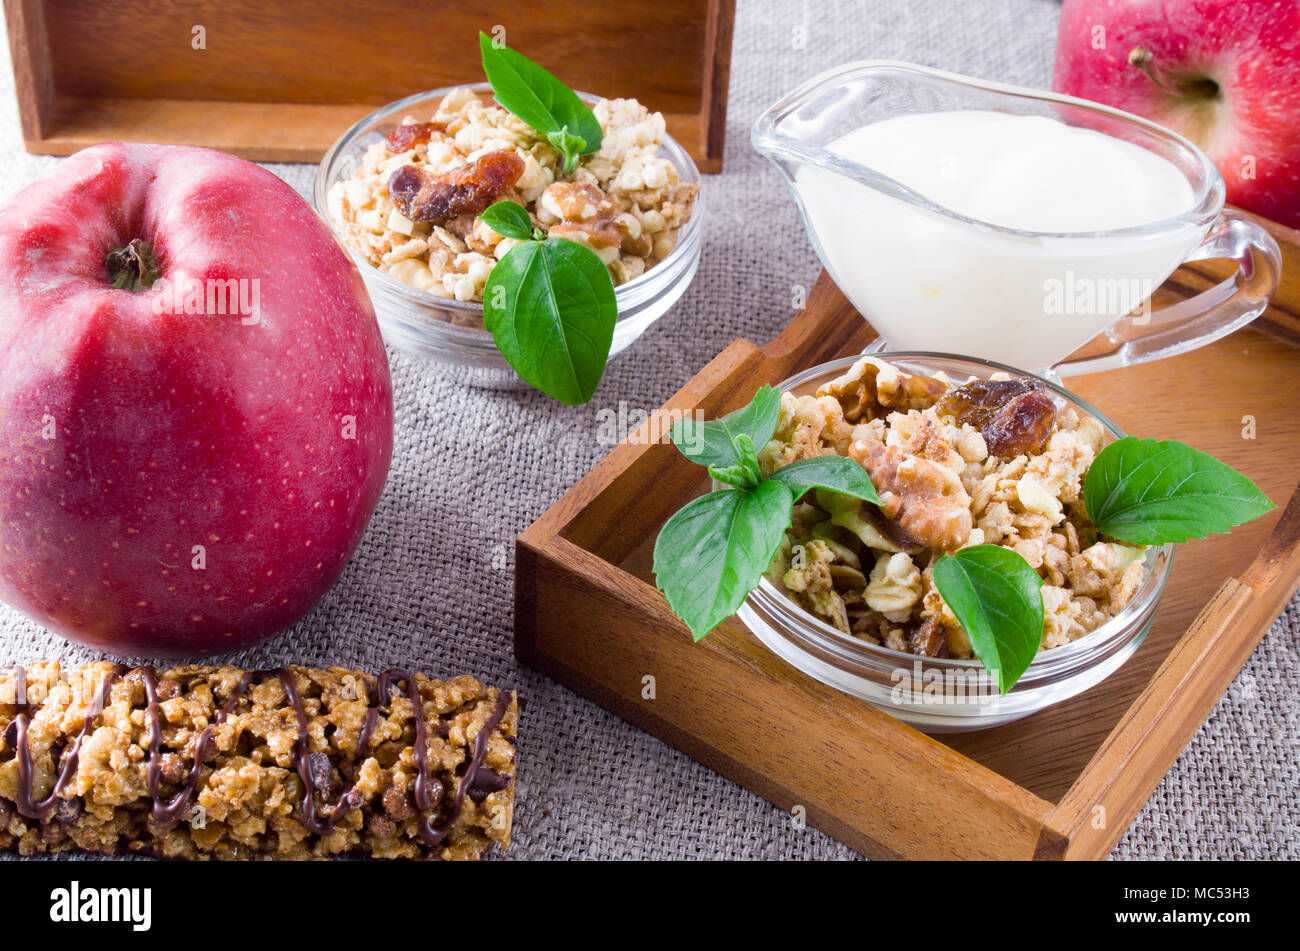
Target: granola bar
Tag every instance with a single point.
(203, 762)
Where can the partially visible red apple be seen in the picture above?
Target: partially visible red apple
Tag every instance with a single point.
(1223, 73)
(173, 483)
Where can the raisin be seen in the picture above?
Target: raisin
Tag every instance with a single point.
(467, 190)
(1022, 426)
(381, 827)
(406, 137)
(977, 401)
(928, 639)
(321, 772)
(397, 803)
(902, 540)
(1015, 417)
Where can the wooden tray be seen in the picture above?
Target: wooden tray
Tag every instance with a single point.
(1065, 782)
(279, 82)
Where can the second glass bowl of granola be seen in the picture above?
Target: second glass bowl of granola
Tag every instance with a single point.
(941, 694)
(448, 331)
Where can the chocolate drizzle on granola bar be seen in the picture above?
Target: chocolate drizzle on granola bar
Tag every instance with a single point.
(169, 813)
(432, 837)
(349, 799)
(476, 781)
(27, 806)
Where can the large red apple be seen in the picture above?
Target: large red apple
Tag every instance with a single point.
(1224, 73)
(176, 480)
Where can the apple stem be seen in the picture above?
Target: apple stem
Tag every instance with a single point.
(131, 267)
(1201, 88)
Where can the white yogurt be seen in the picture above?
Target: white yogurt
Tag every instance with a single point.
(927, 281)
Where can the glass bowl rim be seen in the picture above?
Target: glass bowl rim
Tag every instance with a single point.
(803, 627)
(626, 295)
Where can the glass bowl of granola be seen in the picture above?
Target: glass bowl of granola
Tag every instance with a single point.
(962, 452)
(634, 202)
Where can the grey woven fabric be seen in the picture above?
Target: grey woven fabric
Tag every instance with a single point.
(431, 585)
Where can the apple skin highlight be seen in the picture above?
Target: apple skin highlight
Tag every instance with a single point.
(1223, 73)
(177, 484)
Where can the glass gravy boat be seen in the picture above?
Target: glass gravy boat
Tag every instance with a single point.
(929, 278)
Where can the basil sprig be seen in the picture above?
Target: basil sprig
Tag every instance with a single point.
(550, 307)
(549, 303)
(712, 442)
(713, 551)
(1145, 492)
(534, 95)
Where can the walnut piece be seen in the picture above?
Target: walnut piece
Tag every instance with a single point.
(872, 388)
(924, 500)
(583, 213)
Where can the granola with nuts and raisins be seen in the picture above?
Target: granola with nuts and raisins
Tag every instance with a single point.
(986, 462)
(411, 207)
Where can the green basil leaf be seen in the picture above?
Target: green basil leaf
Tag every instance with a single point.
(570, 147)
(714, 550)
(712, 443)
(827, 472)
(510, 220)
(998, 598)
(1145, 492)
(746, 473)
(533, 94)
(550, 307)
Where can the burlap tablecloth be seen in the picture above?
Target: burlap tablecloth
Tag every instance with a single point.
(430, 587)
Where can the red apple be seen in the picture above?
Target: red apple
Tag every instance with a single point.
(173, 483)
(1223, 73)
